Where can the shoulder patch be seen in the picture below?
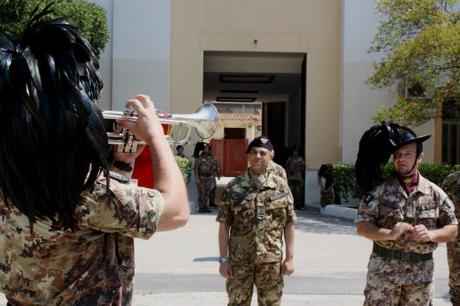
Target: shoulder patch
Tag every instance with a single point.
(368, 198)
(118, 177)
(277, 196)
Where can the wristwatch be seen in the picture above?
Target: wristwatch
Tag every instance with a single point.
(223, 259)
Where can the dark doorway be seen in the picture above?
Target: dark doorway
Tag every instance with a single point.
(451, 132)
(234, 133)
(275, 79)
(274, 127)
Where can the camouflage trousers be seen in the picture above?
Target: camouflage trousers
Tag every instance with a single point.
(267, 279)
(212, 192)
(380, 291)
(453, 257)
(297, 189)
(205, 191)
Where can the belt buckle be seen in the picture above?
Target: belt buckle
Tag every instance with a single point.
(405, 256)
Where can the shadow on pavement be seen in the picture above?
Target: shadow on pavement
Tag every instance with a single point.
(311, 221)
(206, 259)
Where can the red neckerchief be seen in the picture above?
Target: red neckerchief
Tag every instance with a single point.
(409, 183)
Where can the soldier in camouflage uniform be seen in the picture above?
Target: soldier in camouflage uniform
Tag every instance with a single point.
(255, 211)
(66, 229)
(184, 163)
(295, 168)
(406, 217)
(327, 188)
(277, 170)
(452, 187)
(206, 171)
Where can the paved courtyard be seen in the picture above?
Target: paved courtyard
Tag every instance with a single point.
(180, 268)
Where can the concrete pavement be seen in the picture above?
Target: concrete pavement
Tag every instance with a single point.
(179, 268)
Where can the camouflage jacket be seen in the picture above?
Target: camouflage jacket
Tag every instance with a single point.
(92, 265)
(389, 204)
(276, 169)
(295, 168)
(451, 186)
(185, 166)
(206, 166)
(257, 217)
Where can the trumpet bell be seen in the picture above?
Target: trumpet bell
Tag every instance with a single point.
(204, 122)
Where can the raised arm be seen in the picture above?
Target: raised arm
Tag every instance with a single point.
(167, 176)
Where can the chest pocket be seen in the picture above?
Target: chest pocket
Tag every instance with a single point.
(204, 168)
(390, 211)
(427, 212)
(276, 210)
(244, 213)
(428, 217)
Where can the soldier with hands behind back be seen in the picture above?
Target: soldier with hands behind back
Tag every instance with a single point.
(206, 171)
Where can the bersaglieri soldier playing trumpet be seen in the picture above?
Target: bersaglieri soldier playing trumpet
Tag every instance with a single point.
(405, 216)
(68, 218)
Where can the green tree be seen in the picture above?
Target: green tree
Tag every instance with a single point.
(88, 18)
(419, 42)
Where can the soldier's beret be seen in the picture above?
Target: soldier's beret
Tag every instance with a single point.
(260, 142)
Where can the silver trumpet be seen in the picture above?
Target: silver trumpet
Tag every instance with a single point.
(179, 127)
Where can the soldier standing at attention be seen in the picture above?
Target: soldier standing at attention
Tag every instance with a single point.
(452, 187)
(206, 170)
(67, 223)
(295, 168)
(184, 163)
(255, 211)
(405, 216)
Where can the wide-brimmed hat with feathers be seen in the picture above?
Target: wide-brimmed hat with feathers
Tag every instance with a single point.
(376, 146)
(405, 135)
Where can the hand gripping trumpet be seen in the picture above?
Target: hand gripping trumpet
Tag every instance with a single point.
(204, 122)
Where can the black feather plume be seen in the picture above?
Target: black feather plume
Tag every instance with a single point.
(375, 148)
(53, 145)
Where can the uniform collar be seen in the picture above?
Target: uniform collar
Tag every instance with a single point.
(269, 182)
(423, 185)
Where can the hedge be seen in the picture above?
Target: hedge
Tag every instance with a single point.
(344, 176)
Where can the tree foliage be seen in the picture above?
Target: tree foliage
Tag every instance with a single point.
(419, 41)
(88, 18)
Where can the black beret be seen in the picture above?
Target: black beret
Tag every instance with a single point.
(260, 142)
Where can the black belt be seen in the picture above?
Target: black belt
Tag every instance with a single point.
(399, 255)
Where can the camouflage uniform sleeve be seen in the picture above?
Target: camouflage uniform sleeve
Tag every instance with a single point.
(130, 210)
(283, 173)
(215, 167)
(225, 214)
(446, 210)
(189, 170)
(368, 208)
(291, 215)
(451, 185)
